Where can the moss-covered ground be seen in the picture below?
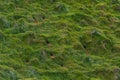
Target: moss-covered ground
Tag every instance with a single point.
(59, 39)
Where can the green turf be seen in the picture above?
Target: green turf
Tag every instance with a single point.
(59, 39)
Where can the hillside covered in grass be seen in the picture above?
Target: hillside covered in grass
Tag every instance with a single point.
(59, 39)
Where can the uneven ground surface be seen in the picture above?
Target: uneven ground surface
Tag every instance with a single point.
(59, 39)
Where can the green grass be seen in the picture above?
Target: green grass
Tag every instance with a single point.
(59, 40)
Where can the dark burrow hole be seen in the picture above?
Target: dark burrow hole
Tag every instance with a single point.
(47, 42)
(43, 17)
(26, 60)
(61, 65)
(85, 46)
(34, 18)
(51, 54)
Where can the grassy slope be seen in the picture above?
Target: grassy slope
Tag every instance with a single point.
(59, 40)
